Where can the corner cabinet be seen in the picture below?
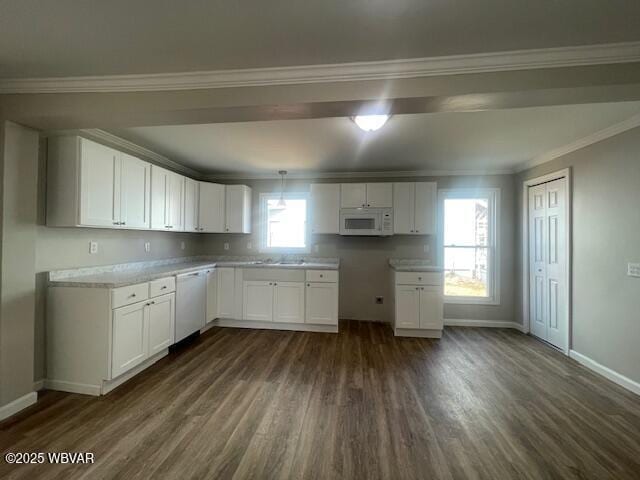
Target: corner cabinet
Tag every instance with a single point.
(414, 208)
(92, 185)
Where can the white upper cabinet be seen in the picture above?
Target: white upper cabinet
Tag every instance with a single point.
(366, 195)
(414, 208)
(191, 201)
(135, 192)
(92, 185)
(237, 209)
(325, 208)
(167, 197)
(211, 207)
(380, 195)
(353, 195)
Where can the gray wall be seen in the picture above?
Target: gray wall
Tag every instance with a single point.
(606, 236)
(19, 151)
(364, 270)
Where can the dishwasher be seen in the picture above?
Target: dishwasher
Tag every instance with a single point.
(191, 303)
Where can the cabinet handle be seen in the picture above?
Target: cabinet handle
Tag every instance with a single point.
(308, 284)
(164, 287)
(417, 231)
(275, 283)
(132, 295)
(116, 223)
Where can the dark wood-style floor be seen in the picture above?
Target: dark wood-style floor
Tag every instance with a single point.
(479, 403)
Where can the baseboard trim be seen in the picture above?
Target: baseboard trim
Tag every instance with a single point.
(606, 372)
(417, 333)
(18, 405)
(464, 322)
(38, 385)
(296, 327)
(72, 387)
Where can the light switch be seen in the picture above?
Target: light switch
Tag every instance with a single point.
(147, 246)
(226, 245)
(93, 247)
(633, 269)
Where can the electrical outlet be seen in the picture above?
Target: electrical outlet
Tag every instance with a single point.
(633, 269)
(427, 248)
(182, 245)
(379, 300)
(93, 247)
(226, 245)
(147, 247)
(249, 246)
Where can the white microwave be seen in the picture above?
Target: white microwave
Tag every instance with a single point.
(374, 222)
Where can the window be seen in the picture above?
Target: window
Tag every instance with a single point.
(469, 254)
(284, 227)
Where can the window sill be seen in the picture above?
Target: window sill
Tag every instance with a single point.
(471, 301)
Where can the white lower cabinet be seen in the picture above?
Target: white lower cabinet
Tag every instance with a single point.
(288, 302)
(257, 300)
(212, 295)
(418, 304)
(321, 303)
(281, 302)
(162, 322)
(226, 292)
(130, 337)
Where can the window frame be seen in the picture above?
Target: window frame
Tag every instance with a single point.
(263, 248)
(493, 243)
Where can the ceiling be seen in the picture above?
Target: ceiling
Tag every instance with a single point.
(453, 142)
(98, 37)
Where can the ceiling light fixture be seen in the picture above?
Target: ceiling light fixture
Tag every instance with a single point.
(370, 123)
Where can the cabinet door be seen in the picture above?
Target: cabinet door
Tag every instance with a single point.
(191, 200)
(426, 201)
(135, 192)
(211, 207)
(226, 293)
(212, 295)
(99, 185)
(353, 195)
(289, 302)
(325, 208)
(257, 300)
(130, 339)
(176, 201)
(403, 208)
(237, 209)
(161, 323)
(380, 195)
(159, 198)
(407, 306)
(431, 307)
(321, 306)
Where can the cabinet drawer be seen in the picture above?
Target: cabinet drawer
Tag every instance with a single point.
(127, 295)
(322, 276)
(419, 278)
(162, 286)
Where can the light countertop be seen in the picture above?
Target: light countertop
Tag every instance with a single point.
(114, 276)
(413, 265)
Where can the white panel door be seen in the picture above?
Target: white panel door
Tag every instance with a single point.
(325, 208)
(289, 302)
(548, 309)
(211, 207)
(161, 322)
(135, 192)
(212, 295)
(159, 198)
(431, 307)
(353, 195)
(191, 200)
(175, 202)
(321, 305)
(403, 207)
(99, 185)
(537, 261)
(380, 195)
(130, 339)
(407, 306)
(226, 292)
(257, 300)
(425, 208)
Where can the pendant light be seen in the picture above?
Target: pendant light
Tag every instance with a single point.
(281, 202)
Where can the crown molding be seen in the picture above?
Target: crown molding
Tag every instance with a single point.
(354, 175)
(613, 130)
(119, 143)
(342, 72)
